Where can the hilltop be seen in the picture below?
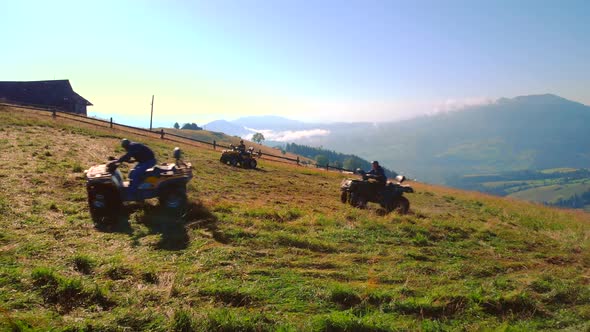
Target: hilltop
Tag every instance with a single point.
(270, 249)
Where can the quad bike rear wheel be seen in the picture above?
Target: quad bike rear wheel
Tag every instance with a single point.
(253, 163)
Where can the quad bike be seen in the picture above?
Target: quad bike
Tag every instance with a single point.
(107, 191)
(358, 192)
(235, 157)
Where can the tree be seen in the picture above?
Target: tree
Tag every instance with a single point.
(191, 126)
(352, 163)
(176, 125)
(258, 138)
(321, 160)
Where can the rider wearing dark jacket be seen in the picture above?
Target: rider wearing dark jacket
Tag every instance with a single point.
(137, 151)
(242, 150)
(242, 146)
(145, 159)
(377, 173)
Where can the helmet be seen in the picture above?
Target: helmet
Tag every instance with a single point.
(125, 143)
(241, 141)
(375, 162)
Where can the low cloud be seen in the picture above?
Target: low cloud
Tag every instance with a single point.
(451, 105)
(383, 110)
(289, 135)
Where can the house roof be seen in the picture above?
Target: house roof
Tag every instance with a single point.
(51, 93)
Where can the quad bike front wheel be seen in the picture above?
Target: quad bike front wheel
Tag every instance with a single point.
(357, 200)
(253, 163)
(173, 202)
(344, 196)
(173, 198)
(245, 163)
(400, 205)
(104, 203)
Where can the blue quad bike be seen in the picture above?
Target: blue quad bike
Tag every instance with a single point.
(359, 192)
(107, 191)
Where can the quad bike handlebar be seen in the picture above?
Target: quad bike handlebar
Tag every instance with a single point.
(367, 176)
(112, 165)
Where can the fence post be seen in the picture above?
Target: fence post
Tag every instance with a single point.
(111, 125)
(327, 166)
(297, 160)
(162, 133)
(53, 113)
(214, 144)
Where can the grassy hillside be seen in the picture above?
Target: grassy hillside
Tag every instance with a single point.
(271, 249)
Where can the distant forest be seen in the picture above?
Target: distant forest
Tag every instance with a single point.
(336, 159)
(576, 201)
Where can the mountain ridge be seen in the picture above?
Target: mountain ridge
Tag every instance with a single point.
(531, 132)
(544, 98)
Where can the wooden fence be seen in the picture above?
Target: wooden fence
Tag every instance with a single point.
(162, 134)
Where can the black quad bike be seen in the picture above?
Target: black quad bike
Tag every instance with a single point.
(358, 192)
(235, 157)
(107, 191)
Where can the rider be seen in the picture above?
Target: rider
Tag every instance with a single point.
(378, 174)
(145, 159)
(241, 148)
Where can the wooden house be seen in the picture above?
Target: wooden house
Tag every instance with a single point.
(57, 94)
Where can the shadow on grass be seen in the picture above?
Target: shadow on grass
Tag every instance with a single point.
(118, 223)
(197, 216)
(257, 169)
(173, 224)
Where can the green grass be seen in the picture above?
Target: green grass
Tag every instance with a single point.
(271, 250)
(551, 193)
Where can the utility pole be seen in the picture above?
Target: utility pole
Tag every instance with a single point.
(152, 114)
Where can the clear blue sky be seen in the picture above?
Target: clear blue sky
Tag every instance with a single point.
(307, 60)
